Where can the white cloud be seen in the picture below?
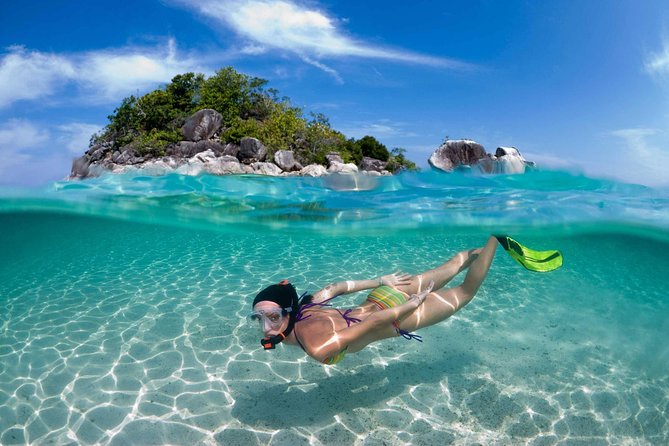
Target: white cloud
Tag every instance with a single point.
(31, 74)
(644, 158)
(101, 76)
(544, 160)
(76, 136)
(19, 134)
(658, 63)
(383, 128)
(17, 138)
(305, 31)
(115, 73)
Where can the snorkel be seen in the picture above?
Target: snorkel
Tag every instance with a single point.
(285, 296)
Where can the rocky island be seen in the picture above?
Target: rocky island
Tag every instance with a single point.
(230, 124)
(227, 123)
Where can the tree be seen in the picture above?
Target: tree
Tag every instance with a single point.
(155, 111)
(398, 161)
(232, 94)
(124, 123)
(371, 147)
(184, 91)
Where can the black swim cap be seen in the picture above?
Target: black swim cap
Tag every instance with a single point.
(283, 294)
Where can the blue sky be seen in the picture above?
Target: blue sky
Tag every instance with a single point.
(581, 85)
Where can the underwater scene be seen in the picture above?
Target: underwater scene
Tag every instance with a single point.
(123, 303)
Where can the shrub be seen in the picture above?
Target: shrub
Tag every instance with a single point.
(154, 142)
(398, 162)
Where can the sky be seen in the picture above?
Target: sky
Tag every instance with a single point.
(576, 85)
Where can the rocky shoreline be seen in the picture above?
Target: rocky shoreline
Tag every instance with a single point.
(201, 151)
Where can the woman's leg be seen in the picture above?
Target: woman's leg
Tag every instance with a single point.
(441, 304)
(442, 274)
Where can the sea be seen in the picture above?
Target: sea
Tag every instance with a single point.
(123, 304)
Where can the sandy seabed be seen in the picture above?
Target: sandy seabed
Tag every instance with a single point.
(145, 342)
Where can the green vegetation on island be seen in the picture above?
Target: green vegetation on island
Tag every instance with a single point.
(150, 123)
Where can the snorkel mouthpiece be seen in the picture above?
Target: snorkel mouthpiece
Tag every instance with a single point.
(269, 343)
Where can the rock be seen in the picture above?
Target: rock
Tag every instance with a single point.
(266, 169)
(97, 154)
(204, 157)
(80, 167)
(128, 156)
(456, 153)
(202, 125)
(313, 170)
(225, 165)
(286, 161)
(186, 149)
(333, 157)
(336, 167)
(509, 160)
(373, 165)
(231, 149)
(251, 150)
(161, 166)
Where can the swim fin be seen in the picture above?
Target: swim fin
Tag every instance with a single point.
(540, 261)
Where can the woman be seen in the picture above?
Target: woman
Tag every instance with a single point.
(397, 305)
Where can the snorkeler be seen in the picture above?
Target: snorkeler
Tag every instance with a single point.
(397, 305)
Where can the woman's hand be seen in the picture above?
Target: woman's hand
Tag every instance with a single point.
(420, 297)
(395, 279)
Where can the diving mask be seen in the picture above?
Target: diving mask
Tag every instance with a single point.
(271, 317)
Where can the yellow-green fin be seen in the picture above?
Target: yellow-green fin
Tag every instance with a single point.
(540, 261)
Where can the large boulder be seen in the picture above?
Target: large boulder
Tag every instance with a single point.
(270, 169)
(373, 165)
(226, 164)
(231, 150)
(342, 168)
(333, 157)
(80, 167)
(251, 150)
(313, 170)
(202, 125)
(509, 160)
(286, 161)
(452, 154)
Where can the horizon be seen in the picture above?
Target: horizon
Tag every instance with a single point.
(579, 87)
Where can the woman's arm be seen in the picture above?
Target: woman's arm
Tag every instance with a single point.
(351, 286)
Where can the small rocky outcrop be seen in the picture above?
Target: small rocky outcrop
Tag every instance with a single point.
(454, 153)
(467, 153)
(202, 125)
(251, 150)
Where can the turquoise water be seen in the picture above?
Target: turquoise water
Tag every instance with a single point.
(122, 301)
